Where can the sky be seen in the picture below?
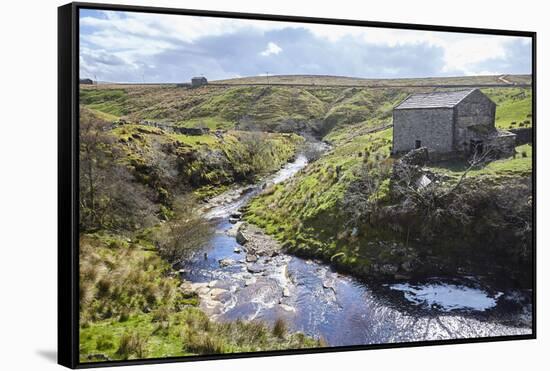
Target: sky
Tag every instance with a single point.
(140, 47)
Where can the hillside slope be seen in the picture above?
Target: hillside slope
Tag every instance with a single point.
(312, 109)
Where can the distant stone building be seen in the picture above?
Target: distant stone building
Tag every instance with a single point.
(198, 81)
(87, 81)
(449, 123)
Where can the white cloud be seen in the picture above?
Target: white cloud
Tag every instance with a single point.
(272, 48)
(135, 36)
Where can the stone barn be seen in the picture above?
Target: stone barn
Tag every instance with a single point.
(449, 123)
(198, 81)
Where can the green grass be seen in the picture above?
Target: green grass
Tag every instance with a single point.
(196, 140)
(211, 122)
(513, 107)
(519, 165)
(110, 102)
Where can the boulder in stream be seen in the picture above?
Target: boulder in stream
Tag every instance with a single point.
(251, 258)
(241, 237)
(226, 262)
(255, 268)
(286, 292)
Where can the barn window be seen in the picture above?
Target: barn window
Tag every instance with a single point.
(417, 144)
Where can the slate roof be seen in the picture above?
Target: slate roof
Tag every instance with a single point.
(442, 99)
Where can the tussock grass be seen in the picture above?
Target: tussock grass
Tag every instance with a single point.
(132, 344)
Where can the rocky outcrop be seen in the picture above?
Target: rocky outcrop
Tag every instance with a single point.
(257, 243)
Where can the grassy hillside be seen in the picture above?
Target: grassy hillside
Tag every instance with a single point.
(513, 107)
(168, 163)
(315, 109)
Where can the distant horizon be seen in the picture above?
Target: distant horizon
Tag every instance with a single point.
(300, 75)
(133, 47)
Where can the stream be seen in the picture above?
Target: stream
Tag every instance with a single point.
(314, 299)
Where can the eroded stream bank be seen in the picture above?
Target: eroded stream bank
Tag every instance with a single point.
(241, 273)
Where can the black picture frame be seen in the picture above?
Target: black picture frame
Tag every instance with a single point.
(68, 167)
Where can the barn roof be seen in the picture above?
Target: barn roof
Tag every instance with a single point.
(441, 99)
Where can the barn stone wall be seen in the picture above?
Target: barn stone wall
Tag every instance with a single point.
(433, 127)
(475, 111)
(504, 143)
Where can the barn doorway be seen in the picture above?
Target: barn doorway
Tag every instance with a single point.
(476, 147)
(417, 144)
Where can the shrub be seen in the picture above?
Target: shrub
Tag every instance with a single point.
(132, 344)
(103, 287)
(203, 343)
(124, 315)
(186, 233)
(280, 329)
(104, 342)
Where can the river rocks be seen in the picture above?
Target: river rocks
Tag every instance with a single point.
(328, 284)
(186, 288)
(212, 283)
(389, 269)
(249, 282)
(287, 308)
(226, 262)
(241, 237)
(211, 297)
(286, 292)
(256, 241)
(232, 232)
(250, 258)
(237, 250)
(215, 293)
(408, 266)
(235, 217)
(247, 190)
(191, 288)
(401, 277)
(255, 268)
